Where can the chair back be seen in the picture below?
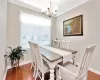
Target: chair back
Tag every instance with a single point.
(85, 62)
(64, 44)
(31, 44)
(39, 60)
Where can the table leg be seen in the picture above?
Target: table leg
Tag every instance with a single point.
(52, 74)
(74, 61)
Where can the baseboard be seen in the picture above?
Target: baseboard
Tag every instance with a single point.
(4, 78)
(20, 64)
(9, 67)
(95, 71)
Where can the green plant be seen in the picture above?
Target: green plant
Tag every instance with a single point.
(16, 54)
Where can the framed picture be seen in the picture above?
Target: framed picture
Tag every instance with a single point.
(73, 26)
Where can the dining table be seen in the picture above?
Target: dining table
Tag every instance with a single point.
(55, 55)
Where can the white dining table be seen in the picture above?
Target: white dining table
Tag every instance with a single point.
(53, 55)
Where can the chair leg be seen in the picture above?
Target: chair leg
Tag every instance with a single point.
(42, 77)
(36, 75)
(85, 78)
(34, 71)
(31, 65)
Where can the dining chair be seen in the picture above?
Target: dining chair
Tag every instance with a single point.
(42, 67)
(33, 64)
(65, 44)
(71, 72)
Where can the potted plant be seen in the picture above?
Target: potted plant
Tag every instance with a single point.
(16, 55)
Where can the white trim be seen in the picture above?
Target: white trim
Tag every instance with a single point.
(8, 67)
(4, 78)
(23, 63)
(72, 7)
(95, 71)
(18, 2)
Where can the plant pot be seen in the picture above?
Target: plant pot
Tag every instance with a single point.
(15, 63)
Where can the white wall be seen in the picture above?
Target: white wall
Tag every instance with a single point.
(91, 30)
(14, 22)
(3, 26)
(13, 30)
(53, 28)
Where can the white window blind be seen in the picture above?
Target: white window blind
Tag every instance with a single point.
(34, 28)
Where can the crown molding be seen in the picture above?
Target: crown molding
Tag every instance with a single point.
(84, 1)
(17, 2)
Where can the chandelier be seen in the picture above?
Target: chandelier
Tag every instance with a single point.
(50, 11)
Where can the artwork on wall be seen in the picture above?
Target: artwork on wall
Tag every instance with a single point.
(73, 26)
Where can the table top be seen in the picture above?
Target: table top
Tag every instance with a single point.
(68, 50)
(49, 55)
(52, 56)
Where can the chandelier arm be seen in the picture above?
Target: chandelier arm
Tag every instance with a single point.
(50, 11)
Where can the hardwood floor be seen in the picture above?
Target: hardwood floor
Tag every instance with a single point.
(24, 73)
(21, 73)
(93, 76)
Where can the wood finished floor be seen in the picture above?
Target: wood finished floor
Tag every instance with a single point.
(24, 73)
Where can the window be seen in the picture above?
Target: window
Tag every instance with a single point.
(34, 28)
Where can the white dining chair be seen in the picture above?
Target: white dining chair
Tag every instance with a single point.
(71, 72)
(64, 44)
(33, 64)
(42, 67)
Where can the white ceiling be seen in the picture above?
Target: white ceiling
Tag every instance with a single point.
(62, 5)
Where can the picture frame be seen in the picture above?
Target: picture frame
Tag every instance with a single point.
(73, 26)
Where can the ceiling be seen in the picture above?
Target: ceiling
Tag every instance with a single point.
(61, 5)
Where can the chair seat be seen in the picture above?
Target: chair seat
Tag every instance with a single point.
(72, 68)
(71, 72)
